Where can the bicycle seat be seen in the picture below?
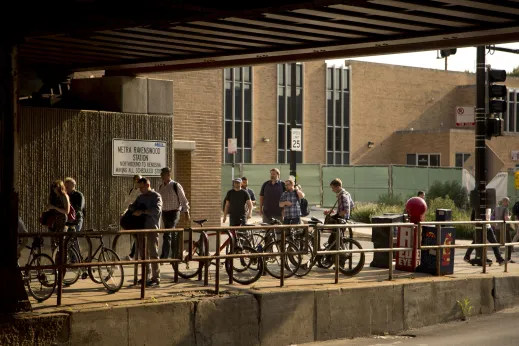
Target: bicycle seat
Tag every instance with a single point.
(200, 222)
(314, 219)
(248, 224)
(312, 222)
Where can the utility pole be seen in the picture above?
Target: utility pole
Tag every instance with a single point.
(480, 202)
(293, 114)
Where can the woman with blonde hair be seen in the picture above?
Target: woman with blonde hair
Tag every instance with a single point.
(60, 204)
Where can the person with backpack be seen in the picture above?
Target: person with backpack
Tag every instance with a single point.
(290, 202)
(344, 201)
(174, 202)
(270, 193)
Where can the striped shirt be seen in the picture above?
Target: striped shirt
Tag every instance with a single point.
(344, 205)
(172, 201)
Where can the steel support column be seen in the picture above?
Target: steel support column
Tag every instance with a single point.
(480, 204)
(293, 115)
(13, 297)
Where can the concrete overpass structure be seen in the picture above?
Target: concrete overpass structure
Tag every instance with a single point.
(159, 35)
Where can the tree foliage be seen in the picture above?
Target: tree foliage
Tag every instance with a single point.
(514, 73)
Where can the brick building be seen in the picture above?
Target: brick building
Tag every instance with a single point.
(355, 114)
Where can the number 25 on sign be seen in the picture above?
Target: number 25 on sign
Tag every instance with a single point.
(296, 139)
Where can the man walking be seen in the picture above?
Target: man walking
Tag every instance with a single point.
(290, 202)
(174, 202)
(502, 213)
(149, 203)
(235, 202)
(270, 193)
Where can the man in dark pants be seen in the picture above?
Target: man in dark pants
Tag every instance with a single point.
(235, 202)
(270, 193)
(174, 202)
(77, 201)
(491, 238)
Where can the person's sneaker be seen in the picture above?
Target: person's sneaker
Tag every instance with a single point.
(502, 262)
(466, 259)
(153, 283)
(128, 258)
(511, 261)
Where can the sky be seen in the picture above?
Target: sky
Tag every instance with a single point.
(463, 60)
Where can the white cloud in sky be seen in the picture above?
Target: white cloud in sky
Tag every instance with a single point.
(464, 59)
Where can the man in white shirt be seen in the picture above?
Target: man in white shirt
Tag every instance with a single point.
(174, 202)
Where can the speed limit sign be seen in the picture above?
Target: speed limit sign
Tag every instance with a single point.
(296, 140)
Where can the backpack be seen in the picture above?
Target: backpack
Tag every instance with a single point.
(71, 214)
(515, 209)
(303, 204)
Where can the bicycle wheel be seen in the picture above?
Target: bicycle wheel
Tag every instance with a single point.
(351, 263)
(189, 269)
(273, 263)
(245, 270)
(308, 259)
(93, 272)
(70, 275)
(41, 282)
(111, 275)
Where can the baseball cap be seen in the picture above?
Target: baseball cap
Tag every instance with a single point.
(237, 180)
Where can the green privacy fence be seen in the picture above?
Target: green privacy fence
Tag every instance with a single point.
(308, 176)
(365, 183)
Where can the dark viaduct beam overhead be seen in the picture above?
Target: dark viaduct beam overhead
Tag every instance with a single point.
(160, 35)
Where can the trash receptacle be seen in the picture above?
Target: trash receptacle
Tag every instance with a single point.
(381, 238)
(428, 257)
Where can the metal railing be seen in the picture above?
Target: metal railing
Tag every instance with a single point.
(63, 238)
(337, 228)
(205, 260)
(229, 230)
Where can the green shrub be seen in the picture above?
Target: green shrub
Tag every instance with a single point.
(451, 190)
(392, 199)
(363, 212)
(462, 231)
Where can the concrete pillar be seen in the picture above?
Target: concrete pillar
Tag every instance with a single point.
(13, 297)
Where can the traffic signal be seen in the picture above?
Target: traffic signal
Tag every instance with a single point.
(496, 91)
(446, 52)
(494, 127)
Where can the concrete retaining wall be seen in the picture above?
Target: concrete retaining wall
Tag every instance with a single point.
(279, 317)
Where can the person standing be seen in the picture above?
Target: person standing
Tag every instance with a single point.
(501, 213)
(290, 202)
(270, 193)
(149, 203)
(175, 202)
(77, 201)
(245, 186)
(235, 202)
(128, 200)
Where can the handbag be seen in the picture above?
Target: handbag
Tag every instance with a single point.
(47, 218)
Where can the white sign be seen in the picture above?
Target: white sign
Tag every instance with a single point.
(133, 156)
(232, 145)
(515, 155)
(465, 116)
(296, 139)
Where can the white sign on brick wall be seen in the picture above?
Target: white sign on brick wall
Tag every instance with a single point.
(132, 156)
(465, 116)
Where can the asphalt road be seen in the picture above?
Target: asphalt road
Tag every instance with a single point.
(497, 329)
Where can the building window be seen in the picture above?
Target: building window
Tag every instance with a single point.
(428, 160)
(285, 109)
(238, 112)
(461, 158)
(511, 117)
(337, 116)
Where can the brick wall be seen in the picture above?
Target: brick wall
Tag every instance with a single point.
(265, 114)
(183, 174)
(197, 113)
(314, 122)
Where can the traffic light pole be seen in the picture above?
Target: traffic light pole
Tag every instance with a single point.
(480, 203)
(293, 113)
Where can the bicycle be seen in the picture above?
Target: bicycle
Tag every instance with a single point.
(293, 258)
(235, 267)
(98, 274)
(45, 279)
(346, 243)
